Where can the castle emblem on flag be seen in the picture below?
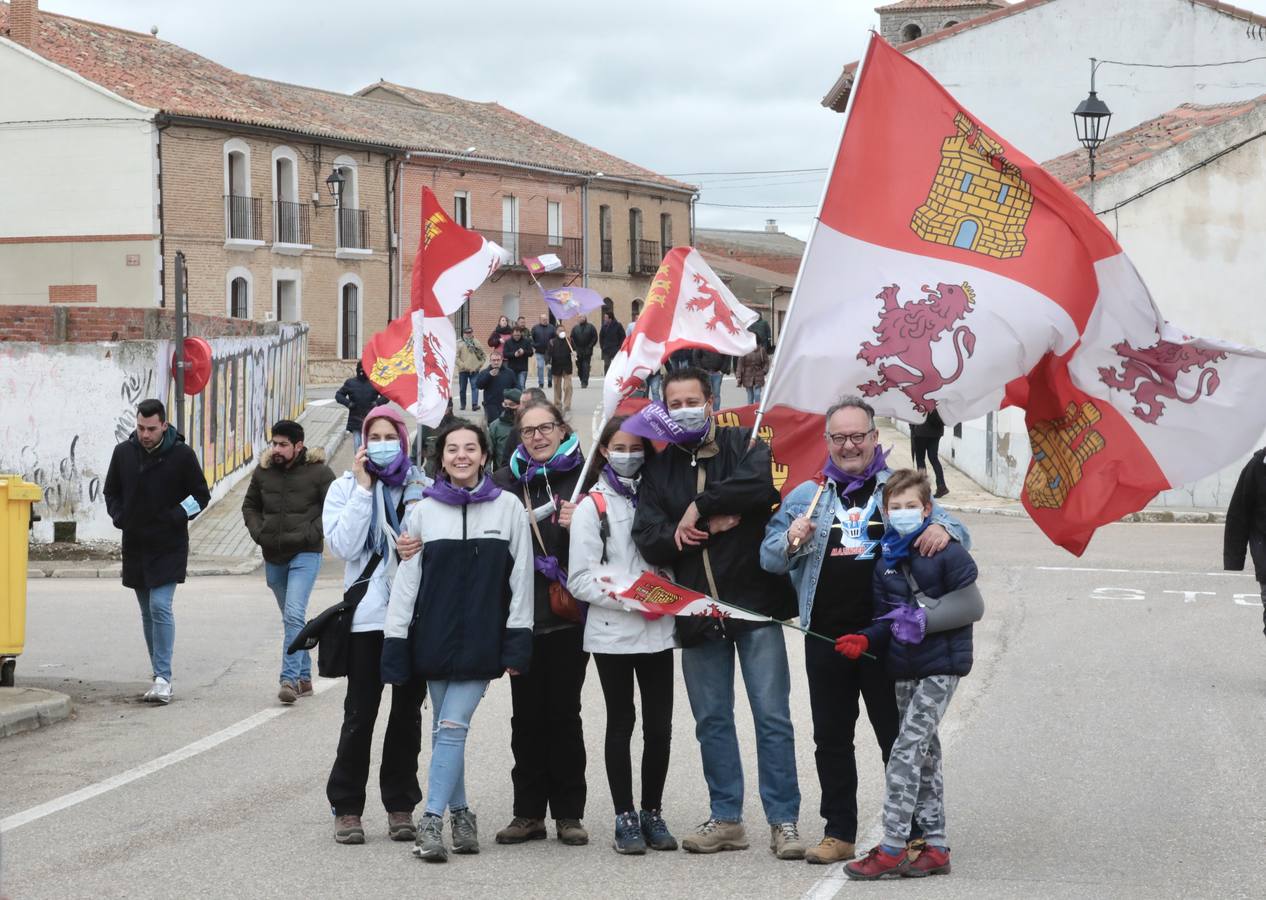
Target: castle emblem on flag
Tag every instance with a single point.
(907, 332)
(978, 200)
(387, 369)
(1151, 375)
(656, 595)
(1060, 450)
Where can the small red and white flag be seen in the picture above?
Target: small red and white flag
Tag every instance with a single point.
(651, 593)
(949, 271)
(451, 264)
(688, 305)
(546, 262)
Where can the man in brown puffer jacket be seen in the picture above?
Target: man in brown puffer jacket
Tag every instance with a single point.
(282, 510)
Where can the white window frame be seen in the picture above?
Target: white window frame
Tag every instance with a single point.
(349, 197)
(295, 275)
(355, 280)
(553, 223)
(464, 195)
(233, 274)
(237, 145)
(284, 152)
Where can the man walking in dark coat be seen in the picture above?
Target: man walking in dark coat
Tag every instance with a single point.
(359, 395)
(584, 337)
(282, 510)
(517, 352)
(1246, 524)
(542, 334)
(610, 339)
(153, 487)
(494, 381)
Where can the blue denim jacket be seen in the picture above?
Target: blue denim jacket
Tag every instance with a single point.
(805, 566)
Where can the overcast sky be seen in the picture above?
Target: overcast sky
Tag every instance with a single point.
(691, 86)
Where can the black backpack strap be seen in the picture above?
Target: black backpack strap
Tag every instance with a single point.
(604, 523)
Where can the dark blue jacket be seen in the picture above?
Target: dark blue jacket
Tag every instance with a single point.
(943, 653)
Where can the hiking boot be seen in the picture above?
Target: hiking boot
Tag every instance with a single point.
(520, 830)
(571, 832)
(931, 861)
(400, 826)
(830, 850)
(465, 831)
(429, 845)
(288, 692)
(785, 842)
(159, 692)
(305, 689)
(878, 865)
(628, 835)
(714, 835)
(655, 831)
(348, 830)
(941, 491)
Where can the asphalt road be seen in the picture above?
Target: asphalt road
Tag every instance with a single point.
(1107, 744)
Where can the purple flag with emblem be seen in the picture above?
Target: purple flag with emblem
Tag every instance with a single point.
(654, 423)
(569, 302)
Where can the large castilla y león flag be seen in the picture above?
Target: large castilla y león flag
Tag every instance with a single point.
(452, 262)
(687, 306)
(949, 271)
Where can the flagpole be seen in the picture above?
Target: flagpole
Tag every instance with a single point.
(817, 222)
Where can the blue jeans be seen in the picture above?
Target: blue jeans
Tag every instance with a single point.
(655, 387)
(715, 378)
(753, 394)
(159, 625)
(453, 703)
(522, 376)
(291, 583)
(356, 440)
(708, 670)
(542, 366)
(464, 378)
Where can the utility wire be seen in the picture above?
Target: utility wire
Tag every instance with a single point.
(1229, 62)
(749, 172)
(759, 206)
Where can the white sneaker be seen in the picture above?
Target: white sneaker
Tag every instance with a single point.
(160, 692)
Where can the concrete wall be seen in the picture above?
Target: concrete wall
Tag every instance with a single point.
(79, 207)
(1024, 74)
(61, 437)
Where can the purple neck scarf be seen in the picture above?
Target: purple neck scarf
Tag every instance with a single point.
(565, 458)
(617, 484)
(654, 422)
(445, 491)
(393, 474)
(847, 481)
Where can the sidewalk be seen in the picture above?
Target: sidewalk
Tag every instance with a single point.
(25, 709)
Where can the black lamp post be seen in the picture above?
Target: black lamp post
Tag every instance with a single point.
(335, 184)
(1092, 118)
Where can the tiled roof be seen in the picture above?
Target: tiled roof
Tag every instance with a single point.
(837, 97)
(769, 250)
(727, 266)
(1142, 142)
(168, 78)
(938, 4)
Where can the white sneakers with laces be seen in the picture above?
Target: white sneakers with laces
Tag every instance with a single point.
(159, 692)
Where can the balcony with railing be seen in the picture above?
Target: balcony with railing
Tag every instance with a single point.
(243, 218)
(353, 229)
(606, 261)
(520, 244)
(644, 257)
(290, 223)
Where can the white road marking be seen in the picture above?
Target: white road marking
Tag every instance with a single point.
(74, 798)
(1142, 572)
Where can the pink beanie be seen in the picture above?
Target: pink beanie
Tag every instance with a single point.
(386, 412)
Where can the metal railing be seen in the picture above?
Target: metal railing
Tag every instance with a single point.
(290, 223)
(353, 228)
(606, 262)
(520, 244)
(243, 217)
(644, 257)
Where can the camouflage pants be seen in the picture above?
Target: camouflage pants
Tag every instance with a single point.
(916, 789)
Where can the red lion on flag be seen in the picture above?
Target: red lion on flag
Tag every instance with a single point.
(1151, 375)
(708, 297)
(433, 368)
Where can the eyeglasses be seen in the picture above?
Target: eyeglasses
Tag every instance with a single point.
(839, 440)
(544, 430)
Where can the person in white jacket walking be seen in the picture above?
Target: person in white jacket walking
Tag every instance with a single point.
(362, 520)
(624, 643)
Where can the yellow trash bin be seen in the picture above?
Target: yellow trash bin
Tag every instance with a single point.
(16, 497)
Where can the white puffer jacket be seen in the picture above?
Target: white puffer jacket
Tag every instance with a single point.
(610, 626)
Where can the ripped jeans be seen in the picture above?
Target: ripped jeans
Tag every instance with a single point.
(453, 703)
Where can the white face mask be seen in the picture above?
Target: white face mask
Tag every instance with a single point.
(690, 418)
(626, 464)
(905, 521)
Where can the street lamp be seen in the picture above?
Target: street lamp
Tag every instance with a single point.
(1092, 118)
(335, 184)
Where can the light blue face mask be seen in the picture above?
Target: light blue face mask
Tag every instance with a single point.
(383, 453)
(905, 521)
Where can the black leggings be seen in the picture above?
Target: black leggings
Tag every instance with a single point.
(925, 450)
(655, 682)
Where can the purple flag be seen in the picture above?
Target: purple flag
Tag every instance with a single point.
(569, 302)
(654, 423)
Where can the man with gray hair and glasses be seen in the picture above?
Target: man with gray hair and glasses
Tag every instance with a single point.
(826, 536)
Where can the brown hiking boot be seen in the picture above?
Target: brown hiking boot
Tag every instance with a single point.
(400, 826)
(830, 850)
(520, 830)
(715, 835)
(288, 692)
(348, 830)
(571, 832)
(305, 687)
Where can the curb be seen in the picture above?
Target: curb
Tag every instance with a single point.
(26, 709)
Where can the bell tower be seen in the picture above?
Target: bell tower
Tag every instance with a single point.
(909, 20)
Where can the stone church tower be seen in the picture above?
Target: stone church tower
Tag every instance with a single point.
(908, 20)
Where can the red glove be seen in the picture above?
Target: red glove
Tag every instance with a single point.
(852, 645)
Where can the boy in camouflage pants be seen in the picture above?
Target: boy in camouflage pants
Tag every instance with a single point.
(926, 668)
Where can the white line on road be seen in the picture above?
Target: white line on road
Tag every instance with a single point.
(1142, 572)
(188, 751)
(326, 402)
